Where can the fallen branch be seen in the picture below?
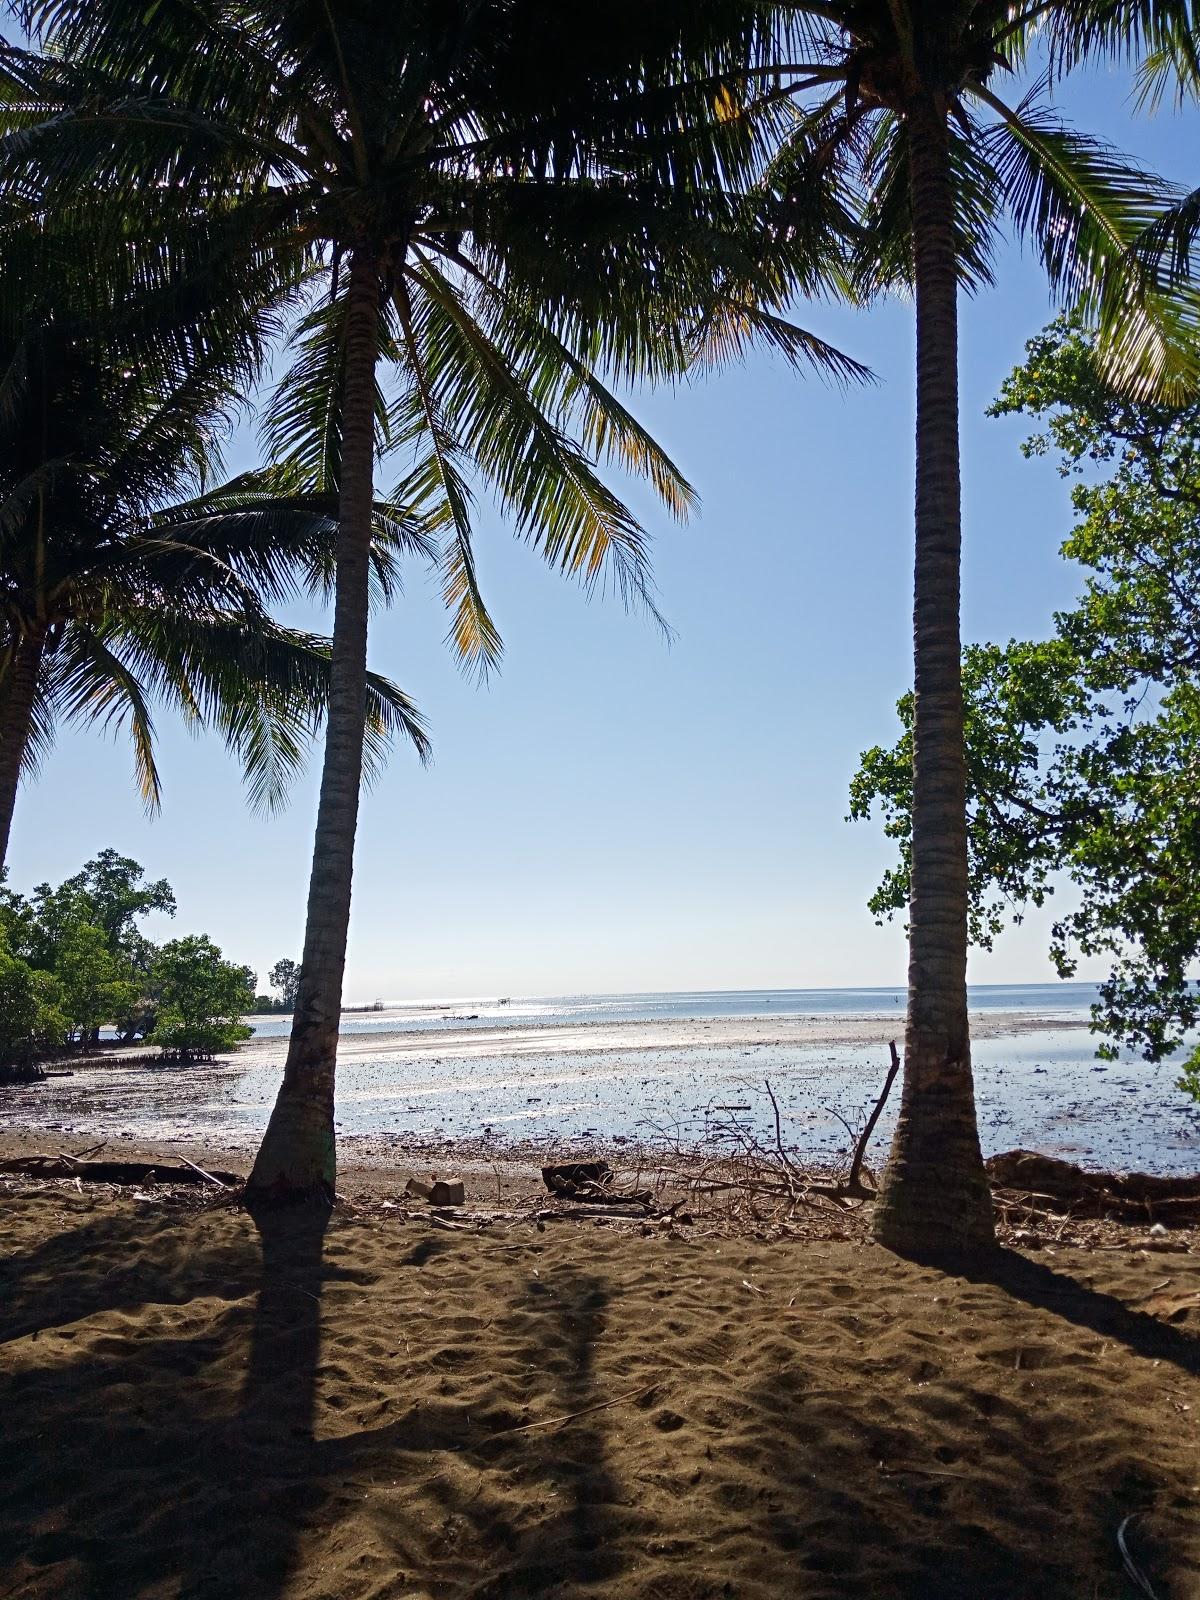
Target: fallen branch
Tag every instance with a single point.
(601, 1405)
(853, 1182)
(447, 1226)
(1130, 1197)
(581, 1213)
(207, 1176)
(132, 1173)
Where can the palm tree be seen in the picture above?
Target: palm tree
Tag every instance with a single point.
(894, 103)
(500, 218)
(1164, 36)
(113, 598)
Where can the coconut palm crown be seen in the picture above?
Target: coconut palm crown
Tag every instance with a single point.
(897, 112)
(117, 594)
(493, 224)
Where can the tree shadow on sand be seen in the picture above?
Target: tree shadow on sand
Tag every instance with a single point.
(163, 1401)
(151, 1457)
(146, 1458)
(1040, 1286)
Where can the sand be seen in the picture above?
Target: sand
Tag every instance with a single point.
(196, 1409)
(823, 1030)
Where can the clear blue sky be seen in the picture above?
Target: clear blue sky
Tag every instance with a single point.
(610, 814)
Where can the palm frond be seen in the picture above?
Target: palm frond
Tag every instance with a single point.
(96, 688)
(883, 248)
(1087, 209)
(437, 481)
(542, 478)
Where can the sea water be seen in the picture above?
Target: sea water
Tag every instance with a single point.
(1070, 1001)
(1038, 1087)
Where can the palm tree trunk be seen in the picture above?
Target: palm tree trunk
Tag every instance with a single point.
(296, 1159)
(934, 1194)
(18, 691)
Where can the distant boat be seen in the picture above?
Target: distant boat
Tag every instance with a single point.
(503, 1002)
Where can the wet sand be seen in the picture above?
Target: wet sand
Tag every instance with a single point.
(668, 1033)
(525, 1090)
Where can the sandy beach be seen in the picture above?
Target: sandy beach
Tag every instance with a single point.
(458, 1042)
(374, 1410)
(504, 1402)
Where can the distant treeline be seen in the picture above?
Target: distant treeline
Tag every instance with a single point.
(74, 961)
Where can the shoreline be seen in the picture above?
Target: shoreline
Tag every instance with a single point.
(530, 1037)
(513, 1096)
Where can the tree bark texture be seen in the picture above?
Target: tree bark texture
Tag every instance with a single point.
(934, 1195)
(297, 1157)
(18, 692)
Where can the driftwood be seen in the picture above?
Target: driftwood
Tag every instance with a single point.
(853, 1177)
(591, 1213)
(747, 1177)
(1061, 1186)
(590, 1183)
(135, 1173)
(209, 1177)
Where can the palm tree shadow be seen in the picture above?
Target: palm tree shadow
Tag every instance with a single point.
(1039, 1285)
(568, 1464)
(279, 1395)
(970, 1488)
(272, 1479)
(147, 1459)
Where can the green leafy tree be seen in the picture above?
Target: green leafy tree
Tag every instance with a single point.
(109, 892)
(117, 893)
(500, 220)
(96, 987)
(32, 1019)
(285, 976)
(202, 998)
(1083, 749)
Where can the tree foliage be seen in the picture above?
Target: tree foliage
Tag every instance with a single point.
(285, 976)
(1084, 748)
(74, 958)
(33, 1021)
(545, 222)
(137, 581)
(96, 986)
(202, 998)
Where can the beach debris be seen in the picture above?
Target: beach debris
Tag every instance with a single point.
(853, 1177)
(592, 1213)
(590, 1183)
(585, 1411)
(765, 1181)
(563, 1175)
(134, 1173)
(1133, 1571)
(1133, 1196)
(209, 1177)
(1171, 1306)
(438, 1191)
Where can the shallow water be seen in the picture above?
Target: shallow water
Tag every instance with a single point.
(1065, 999)
(1039, 1088)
